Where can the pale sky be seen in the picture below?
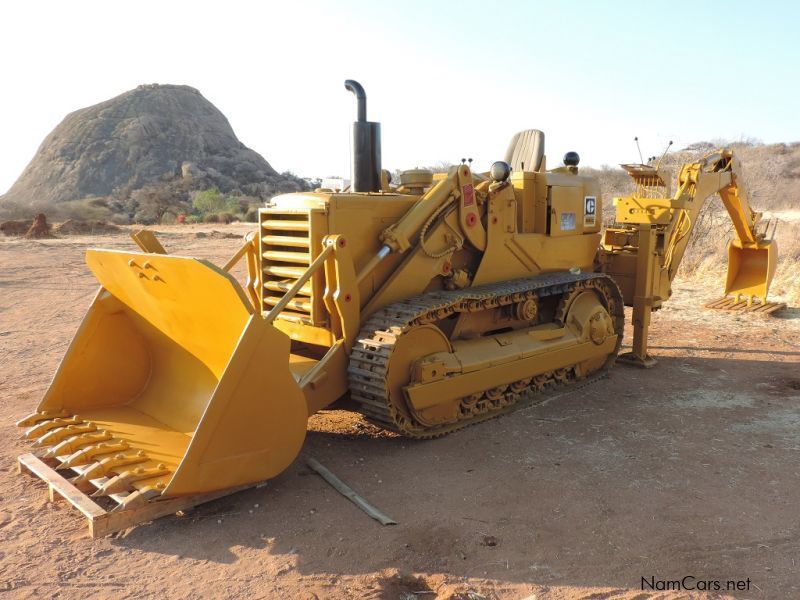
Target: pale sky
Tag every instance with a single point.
(446, 79)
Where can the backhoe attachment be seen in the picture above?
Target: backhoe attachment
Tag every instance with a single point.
(645, 252)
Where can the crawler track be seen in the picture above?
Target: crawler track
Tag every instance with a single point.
(371, 355)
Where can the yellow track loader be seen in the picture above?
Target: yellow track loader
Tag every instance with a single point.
(431, 303)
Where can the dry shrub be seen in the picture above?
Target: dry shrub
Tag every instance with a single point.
(87, 209)
(787, 276)
(222, 217)
(251, 216)
(706, 260)
(76, 227)
(708, 245)
(15, 227)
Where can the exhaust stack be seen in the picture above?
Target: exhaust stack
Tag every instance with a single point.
(366, 167)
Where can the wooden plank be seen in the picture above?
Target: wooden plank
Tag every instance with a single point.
(718, 303)
(723, 303)
(57, 484)
(731, 304)
(111, 522)
(760, 308)
(777, 306)
(100, 521)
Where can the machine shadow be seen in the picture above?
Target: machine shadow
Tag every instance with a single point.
(645, 472)
(785, 353)
(790, 313)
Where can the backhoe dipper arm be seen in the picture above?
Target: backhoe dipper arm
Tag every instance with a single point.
(718, 172)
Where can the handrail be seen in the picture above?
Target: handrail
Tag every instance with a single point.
(247, 249)
(248, 244)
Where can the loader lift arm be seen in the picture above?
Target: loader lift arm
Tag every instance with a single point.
(644, 254)
(457, 187)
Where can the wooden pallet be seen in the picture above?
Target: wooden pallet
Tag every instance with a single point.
(728, 303)
(102, 520)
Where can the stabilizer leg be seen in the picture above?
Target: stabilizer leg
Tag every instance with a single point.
(642, 300)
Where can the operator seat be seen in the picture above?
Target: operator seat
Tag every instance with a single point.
(526, 150)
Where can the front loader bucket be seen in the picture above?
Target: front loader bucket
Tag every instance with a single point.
(172, 384)
(750, 269)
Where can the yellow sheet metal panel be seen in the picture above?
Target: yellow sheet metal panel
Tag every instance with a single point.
(110, 347)
(653, 211)
(190, 301)
(147, 241)
(429, 394)
(306, 333)
(566, 211)
(621, 265)
(326, 381)
(531, 200)
(255, 422)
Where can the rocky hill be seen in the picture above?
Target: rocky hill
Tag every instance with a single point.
(154, 134)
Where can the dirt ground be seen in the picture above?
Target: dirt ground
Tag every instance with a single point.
(687, 469)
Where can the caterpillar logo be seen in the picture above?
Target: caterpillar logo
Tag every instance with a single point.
(589, 211)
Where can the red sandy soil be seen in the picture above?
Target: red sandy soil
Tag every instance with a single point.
(690, 468)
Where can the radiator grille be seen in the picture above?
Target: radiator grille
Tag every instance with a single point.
(286, 246)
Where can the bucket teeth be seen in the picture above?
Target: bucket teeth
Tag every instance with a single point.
(43, 427)
(141, 497)
(109, 464)
(84, 456)
(71, 444)
(34, 418)
(123, 481)
(54, 436)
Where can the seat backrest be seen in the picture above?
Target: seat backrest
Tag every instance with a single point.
(526, 150)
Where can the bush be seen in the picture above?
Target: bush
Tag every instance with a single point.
(155, 201)
(251, 216)
(213, 201)
(224, 218)
(87, 209)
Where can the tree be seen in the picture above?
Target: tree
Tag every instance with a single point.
(212, 201)
(156, 200)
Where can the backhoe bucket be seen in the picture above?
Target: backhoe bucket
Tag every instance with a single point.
(173, 385)
(750, 270)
